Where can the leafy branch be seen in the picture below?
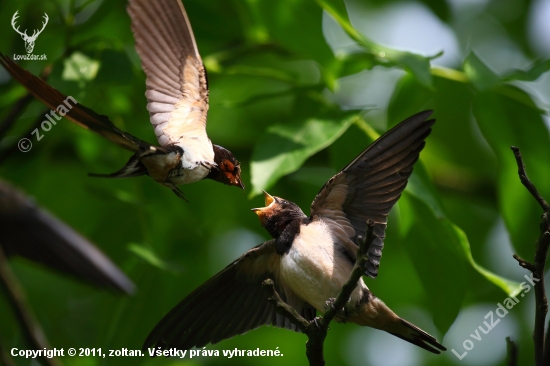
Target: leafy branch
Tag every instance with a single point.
(316, 330)
(542, 345)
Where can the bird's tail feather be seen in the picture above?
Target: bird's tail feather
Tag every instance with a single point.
(411, 333)
(374, 313)
(133, 168)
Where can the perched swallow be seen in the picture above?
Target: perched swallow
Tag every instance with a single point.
(310, 258)
(28, 231)
(177, 101)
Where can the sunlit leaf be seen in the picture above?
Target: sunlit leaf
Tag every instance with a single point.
(423, 189)
(479, 74)
(438, 257)
(148, 255)
(531, 74)
(80, 67)
(511, 288)
(284, 148)
(416, 64)
(506, 122)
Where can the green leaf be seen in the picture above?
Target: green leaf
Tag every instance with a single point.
(511, 288)
(284, 148)
(479, 74)
(296, 25)
(440, 251)
(149, 256)
(416, 64)
(437, 256)
(80, 67)
(422, 188)
(533, 73)
(513, 92)
(506, 122)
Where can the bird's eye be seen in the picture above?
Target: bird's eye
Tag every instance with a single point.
(285, 203)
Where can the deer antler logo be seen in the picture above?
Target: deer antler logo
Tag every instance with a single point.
(29, 40)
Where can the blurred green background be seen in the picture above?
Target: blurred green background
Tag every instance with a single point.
(297, 89)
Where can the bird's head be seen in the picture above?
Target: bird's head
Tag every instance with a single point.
(229, 169)
(277, 214)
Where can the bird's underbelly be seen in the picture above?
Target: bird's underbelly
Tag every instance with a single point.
(314, 269)
(185, 176)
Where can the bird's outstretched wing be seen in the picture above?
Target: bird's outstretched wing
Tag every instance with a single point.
(70, 108)
(177, 90)
(30, 232)
(368, 187)
(230, 303)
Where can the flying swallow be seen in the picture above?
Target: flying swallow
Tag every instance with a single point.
(310, 257)
(177, 101)
(28, 231)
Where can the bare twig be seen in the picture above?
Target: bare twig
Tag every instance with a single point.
(523, 263)
(16, 296)
(283, 308)
(512, 350)
(317, 329)
(526, 182)
(542, 356)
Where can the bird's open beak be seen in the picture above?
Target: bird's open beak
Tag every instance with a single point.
(269, 199)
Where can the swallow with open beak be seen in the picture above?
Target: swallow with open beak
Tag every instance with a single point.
(310, 257)
(177, 101)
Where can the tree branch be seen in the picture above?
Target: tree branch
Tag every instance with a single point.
(316, 330)
(527, 182)
(542, 356)
(512, 350)
(283, 308)
(523, 263)
(16, 296)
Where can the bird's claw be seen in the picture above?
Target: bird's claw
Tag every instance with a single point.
(330, 302)
(314, 321)
(178, 193)
(341, 313)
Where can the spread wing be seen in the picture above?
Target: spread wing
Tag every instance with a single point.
(70, 108)
(177, 90)
(230, 303)
(368, 187)
(28, 231)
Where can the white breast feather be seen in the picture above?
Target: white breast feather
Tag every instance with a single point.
(314, 269)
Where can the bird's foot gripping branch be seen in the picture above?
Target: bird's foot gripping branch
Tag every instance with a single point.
(316, 329)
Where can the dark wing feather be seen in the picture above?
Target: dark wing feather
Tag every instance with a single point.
(30, 232)
(368, 187)
(79, 114)
(230, 303)
(177, 90)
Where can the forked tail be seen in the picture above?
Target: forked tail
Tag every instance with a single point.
(374, 313)
(133, 168)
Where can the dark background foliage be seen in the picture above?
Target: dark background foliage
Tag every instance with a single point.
(297, 89)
